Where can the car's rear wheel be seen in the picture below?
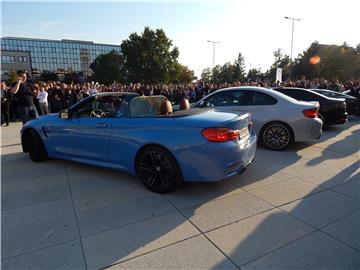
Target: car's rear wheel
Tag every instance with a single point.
(158, 169)
(37, 150)
(277, 136)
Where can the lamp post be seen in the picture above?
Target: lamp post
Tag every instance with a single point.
(292, 42)
(214, 43)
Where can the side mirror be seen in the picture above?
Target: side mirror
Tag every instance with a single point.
(64, 114)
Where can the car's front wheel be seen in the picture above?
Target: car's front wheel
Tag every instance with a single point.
(37, 150)
(158, 169)
(276, 136)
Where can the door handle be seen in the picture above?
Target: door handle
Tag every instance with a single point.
(101, 125)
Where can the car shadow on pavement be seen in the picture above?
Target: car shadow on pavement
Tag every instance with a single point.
(247, 217)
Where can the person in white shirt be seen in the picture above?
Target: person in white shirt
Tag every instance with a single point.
(93, 90)
(42, 96)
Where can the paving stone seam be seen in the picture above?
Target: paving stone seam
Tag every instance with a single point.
(203, 234)
(76, 219)
(106, 188)
(280, 247)
(312, 232)
(151, 251)
(321, 229)
(128, 224)
(277, 206)
(30, 177)
(269, 184)
(33, 204)
(339, 192)
(312, 194)
(220, 198)
(39, 249)
(324, 226)
(326, 187)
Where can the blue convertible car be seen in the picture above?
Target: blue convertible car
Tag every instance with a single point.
(143, 136)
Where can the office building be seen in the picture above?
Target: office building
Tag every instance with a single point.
(43, 55)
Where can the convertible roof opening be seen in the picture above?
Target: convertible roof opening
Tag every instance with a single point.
(145, 106)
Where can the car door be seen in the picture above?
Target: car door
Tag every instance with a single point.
(86, 133)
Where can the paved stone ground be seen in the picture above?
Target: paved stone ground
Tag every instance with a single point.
(296, 209)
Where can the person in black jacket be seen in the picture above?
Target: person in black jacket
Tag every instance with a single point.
(24, 95)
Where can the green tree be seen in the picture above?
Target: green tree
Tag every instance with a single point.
(342, 62)
(280, 61)
(303, 66)
(239, 71)
(254, 74)
(185, 75)
(206, 75)
(150, 57)
(108, 68)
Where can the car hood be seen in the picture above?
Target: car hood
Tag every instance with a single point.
(209, 118)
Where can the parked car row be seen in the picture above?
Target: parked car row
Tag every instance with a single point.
(332, 110)
(212, 141)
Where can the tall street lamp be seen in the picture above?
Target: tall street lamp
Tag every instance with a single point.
(214, 43)
(292, 42)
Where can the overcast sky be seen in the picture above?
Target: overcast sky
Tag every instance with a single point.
(255, 28)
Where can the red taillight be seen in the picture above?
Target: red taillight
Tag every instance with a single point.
(311, 113)
(220, 134)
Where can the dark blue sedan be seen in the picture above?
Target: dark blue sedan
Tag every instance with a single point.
(143, 136)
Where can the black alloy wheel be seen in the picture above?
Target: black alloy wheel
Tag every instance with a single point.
(276, 136)
(37, 150)
(158, 169)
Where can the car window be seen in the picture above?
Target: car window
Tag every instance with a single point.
(257, 98)
(292, 93)
(226, 98)
(100, 107)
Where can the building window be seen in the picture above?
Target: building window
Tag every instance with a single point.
(42, 49)
(54, 60)
(7, 59)
(22, 59)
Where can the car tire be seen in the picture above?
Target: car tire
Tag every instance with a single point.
(276, 136)
(158, 169)
(37, 150)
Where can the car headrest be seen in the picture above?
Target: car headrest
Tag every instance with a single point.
(166, 108)
(184, 104)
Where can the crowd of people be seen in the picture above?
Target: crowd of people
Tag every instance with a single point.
(26, 100)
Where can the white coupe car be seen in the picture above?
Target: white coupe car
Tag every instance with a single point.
(278, 120)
